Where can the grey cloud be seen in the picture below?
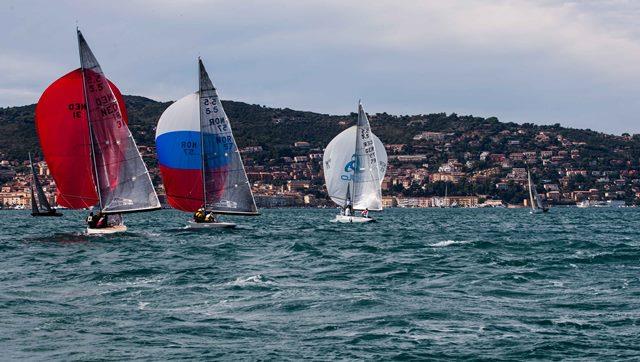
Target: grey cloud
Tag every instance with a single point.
(527, 61)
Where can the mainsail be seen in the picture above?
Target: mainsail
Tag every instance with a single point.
(532, 200)
(122, 179)
(366, 176)
(35, 185)
(34, 204)
(356, 158)
(226, 187)
(212, 176)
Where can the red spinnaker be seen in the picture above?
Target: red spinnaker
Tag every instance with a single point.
(61, 122)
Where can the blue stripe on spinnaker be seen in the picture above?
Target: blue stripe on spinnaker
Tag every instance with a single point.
(181, 150)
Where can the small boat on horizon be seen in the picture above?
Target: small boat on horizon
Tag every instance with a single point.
(535, 200)
(39, 203)
(83, 130)
(200, 163)
(354, 164)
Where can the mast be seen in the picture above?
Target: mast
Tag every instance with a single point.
(86, 104)
(202, 154)
(446, 192)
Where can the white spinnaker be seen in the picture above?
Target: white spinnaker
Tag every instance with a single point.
(339, 163)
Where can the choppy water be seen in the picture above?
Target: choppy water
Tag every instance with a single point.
(424, 284)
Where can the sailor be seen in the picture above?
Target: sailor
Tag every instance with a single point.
(102, 221)
(210, 217)
(365, 213)
(199, 215)
(348, 209)
(90, 221)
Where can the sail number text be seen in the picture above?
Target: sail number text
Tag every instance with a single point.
(211, 109)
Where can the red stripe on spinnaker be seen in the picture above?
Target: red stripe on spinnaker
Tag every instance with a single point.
(61, 123)
(183, 188)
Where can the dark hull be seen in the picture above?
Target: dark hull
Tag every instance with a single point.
(55, 213)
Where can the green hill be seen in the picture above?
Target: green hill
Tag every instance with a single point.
(277, 129)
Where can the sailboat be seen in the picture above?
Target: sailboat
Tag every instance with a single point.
(39, 203)
(199, 160)
(444, 203)
(534, 198)
(81, 122)
(354, 163)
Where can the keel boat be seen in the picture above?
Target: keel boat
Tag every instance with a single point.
(199, 160)
(354, 163)
(82, 125)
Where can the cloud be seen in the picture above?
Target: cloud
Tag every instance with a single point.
(573, 62)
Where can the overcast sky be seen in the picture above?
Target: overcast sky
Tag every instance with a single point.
(543, 61)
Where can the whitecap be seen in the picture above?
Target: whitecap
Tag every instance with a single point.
(251, 280)
(449, 242)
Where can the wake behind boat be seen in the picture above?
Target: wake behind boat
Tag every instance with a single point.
(82, 126)
(199, 160)
(355, 162)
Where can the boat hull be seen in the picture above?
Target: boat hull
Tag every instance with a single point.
(352, 219)
(108, 230)
(210, 225)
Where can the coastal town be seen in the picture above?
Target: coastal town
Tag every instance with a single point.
(435, 169)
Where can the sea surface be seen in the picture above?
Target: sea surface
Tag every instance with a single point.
(486, 284)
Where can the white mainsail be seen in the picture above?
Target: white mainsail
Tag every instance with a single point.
(534, 198)
(122, 180)
(226, 186)
(355, 162)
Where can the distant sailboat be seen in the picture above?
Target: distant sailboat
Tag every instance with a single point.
(82, 125)
(444, 203)
(355, 162)
(39, 203)
(534, 198)
(209, 180)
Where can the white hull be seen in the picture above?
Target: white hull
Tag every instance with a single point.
(108, 230)
(210, 225)
(352, 219)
